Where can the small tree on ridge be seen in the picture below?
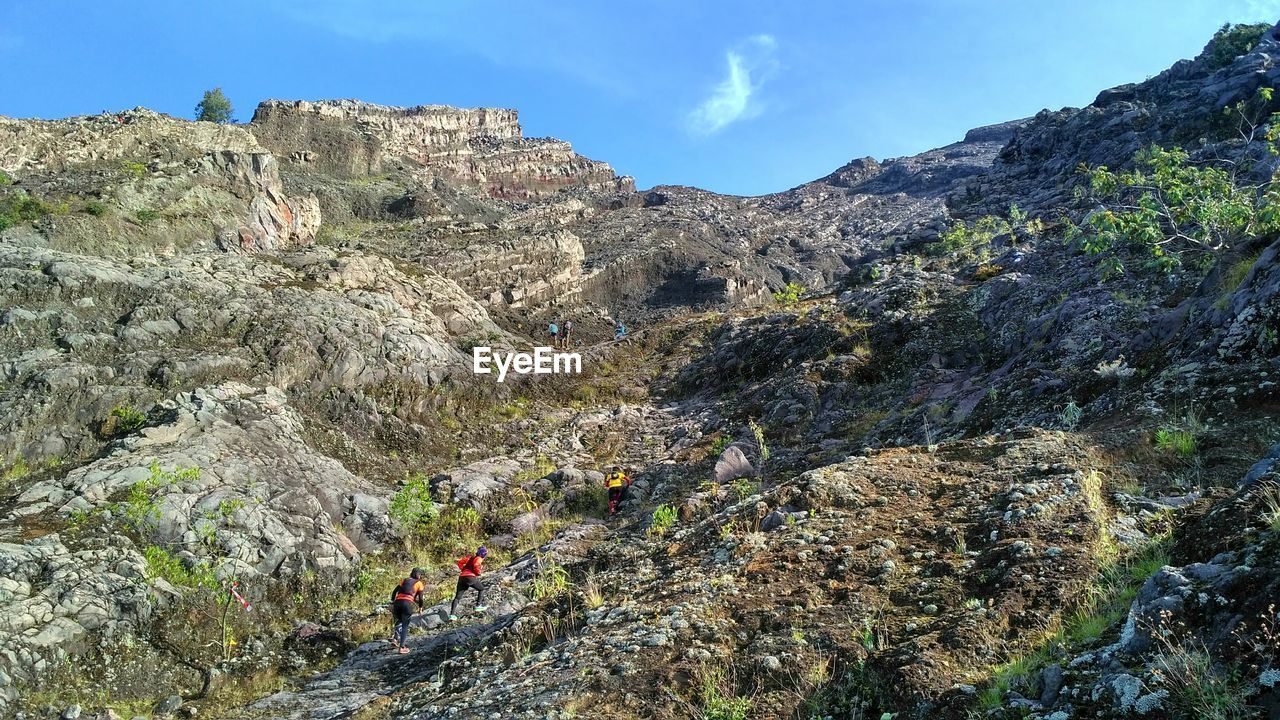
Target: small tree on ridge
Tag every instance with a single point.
(214, 107)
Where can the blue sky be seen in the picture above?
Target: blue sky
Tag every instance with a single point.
(743, 97)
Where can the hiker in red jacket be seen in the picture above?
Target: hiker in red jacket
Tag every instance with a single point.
(408, 592)
(470, 566)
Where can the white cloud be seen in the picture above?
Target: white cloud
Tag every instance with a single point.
(734, 98)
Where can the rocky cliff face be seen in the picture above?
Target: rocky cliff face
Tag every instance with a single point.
(482, 149)
(175, 184)
(946, 481)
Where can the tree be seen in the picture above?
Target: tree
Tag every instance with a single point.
(214, 107)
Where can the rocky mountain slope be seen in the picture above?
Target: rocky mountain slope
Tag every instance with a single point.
(900, 449)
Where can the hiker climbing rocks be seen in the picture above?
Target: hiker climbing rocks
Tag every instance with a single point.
(566, 329)
(470, 567)
(554, 330)
(617, 482)
(408, 592)
(619, 330)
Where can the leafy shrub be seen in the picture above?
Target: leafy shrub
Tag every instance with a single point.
(664, 516)
(124, 420)
(789, 295)
(18, 207)
(146, 215)
(95, 208)
(412, 507)
(592, 500)
(963, 237)
(5, 179)
(162, 565)
(1172, 210)
(141, 506)
(720, 444)
(1232, 41)
(214, 107)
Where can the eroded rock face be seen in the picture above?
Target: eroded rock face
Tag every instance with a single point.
(481, 148)
(146, 162)
(263, 505)
(83, 335)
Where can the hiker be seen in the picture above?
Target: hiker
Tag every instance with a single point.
(408, 592)
(471, 567)
(565, 331)
(617, 482)
(619, 331)
(554, 331)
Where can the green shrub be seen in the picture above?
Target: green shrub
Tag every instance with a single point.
(1232, 41)
(162, 565)
(720, 444)
(664, 516)
(214, 107)
(593, 500)
(1172, 210)
(95, 208)
(745, 488)
(412, 507)
(961, 237)
(146, 215)
(141, 506)
(18, 207)
(5, 179)
(125, 419)
(789, 295)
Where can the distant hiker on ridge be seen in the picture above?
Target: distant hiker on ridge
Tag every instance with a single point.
(408, 592)
(470, 566)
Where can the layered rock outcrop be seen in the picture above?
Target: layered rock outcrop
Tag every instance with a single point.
(482, 149)
(212, 184)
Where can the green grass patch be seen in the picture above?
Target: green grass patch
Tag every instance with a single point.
(15, 472)
(1105, 604)
(1176, 442)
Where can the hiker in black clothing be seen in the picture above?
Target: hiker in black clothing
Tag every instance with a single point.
(408, 592)
(470, 566)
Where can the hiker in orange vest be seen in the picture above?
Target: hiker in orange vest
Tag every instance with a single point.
(470, 566)
(408, 592)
